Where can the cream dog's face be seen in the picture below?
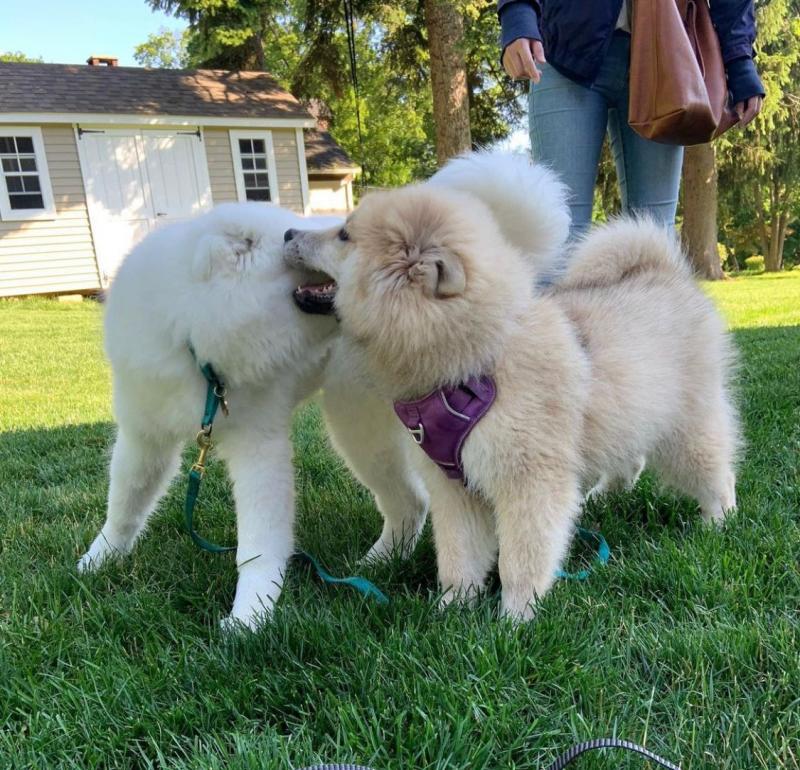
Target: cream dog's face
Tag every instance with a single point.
(399, 237)
(419, 277)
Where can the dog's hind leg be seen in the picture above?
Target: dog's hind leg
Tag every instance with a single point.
(140, 470)
(622, 480)
(373, 442)
(699, 461)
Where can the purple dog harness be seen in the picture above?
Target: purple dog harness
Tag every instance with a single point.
(441, 421)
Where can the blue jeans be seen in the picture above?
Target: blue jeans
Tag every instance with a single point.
(568, 123)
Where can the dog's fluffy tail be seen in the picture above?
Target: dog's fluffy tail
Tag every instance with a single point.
(527, 200)
(623, 247)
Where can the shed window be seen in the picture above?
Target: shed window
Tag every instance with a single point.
(25, 192)
(254, 169)
(255, 165)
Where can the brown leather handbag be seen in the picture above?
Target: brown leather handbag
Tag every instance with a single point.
(678, 88)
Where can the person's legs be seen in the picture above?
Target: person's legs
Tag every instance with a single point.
(649, 172)
(567, 124)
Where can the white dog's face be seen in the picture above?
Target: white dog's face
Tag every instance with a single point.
(320, 252)
(419, 277)
(238, 308)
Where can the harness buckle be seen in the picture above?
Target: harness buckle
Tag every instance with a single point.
(418, 433)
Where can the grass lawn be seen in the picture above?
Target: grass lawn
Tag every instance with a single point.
(689, 641)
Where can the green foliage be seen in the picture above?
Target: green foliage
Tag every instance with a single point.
(165, 49)
(754, 264)
(495, 104)
(759, 166)
(687, 641)
(396, 120)
(727, 259)
(18, 56)
(607, 201)
(303, 43)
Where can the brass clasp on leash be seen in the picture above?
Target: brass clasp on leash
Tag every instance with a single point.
(204, 443)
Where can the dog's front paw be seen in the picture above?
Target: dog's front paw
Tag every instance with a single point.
(517, 606)
(391, 543)
(100, 552)
(235, 624)
(716, 517)
(256, 594)
(380, 550)
(466, 594)
(247, 618)
(383, 550)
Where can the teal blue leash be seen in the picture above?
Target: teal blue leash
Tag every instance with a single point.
(362, 585)
(216, 400)
(603, 554)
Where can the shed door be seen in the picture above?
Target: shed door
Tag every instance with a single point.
(178, 184)
(136, 180)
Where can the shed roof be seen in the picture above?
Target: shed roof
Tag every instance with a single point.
(324, 154)
(81, 88)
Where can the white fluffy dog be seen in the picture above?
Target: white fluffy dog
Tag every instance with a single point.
(217, 284)
(623, 361)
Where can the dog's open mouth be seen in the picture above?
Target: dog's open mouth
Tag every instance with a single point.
(316, 297)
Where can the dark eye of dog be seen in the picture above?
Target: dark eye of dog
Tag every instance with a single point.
(344, 235)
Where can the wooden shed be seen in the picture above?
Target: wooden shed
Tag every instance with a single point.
(93, 157)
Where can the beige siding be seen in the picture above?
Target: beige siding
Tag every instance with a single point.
(52, 255)
(220, 164)
(289, 189)
(330, 196)
(222, 175)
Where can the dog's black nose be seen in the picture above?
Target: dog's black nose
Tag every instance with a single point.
(289, 234)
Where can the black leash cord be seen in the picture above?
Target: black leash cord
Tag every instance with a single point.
(567, 758)
(337, 767)
(572, 754)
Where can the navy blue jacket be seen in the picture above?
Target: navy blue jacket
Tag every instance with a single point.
(576, 35)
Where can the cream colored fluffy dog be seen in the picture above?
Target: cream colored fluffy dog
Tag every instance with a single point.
(623, 361)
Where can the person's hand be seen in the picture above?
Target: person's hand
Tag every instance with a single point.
(746, 110)
(520, 59)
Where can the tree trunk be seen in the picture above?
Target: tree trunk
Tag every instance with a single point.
(448, 78)
(773, 255)
(763, 234)
(773, 258)
(699, 233)
(784, 226)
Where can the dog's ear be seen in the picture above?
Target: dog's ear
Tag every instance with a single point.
(222, 253)
(212, 252)
(439, 271)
